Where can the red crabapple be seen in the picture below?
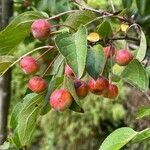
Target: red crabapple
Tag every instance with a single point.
(29, 65)
(99, 86)
(60, 99)
(81, 88)
(37, 84)
(68, 71)
(112, 91)
(109, 51)
(40, 29)
(123, 57)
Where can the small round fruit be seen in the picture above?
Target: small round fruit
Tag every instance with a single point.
(112, 91)
(109, 51)
(68, 71)
(29, 65)
(40, 29)
(37, 84)
(123, 57)
(99, 86)
(81, 88)
(60, 99)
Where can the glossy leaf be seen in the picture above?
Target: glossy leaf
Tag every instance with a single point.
(136, 75)
(95, 61)
(16, 31)
(143, 112)
(142, 48)
(104, 29)
(118, 139)
(141, 136)
(81, 17)
(74, 49)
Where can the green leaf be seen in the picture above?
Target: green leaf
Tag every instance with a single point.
(81, 17)
(58, 66)
(28, 117)
(74, 49)
(143, 112)
(142, 48)
(95, 61)
(118, 139)
(127, 3)
(71, 88)
(14, 115)
(135, 74)
(5, 62)
(148, 70)
(143, 7)
(17, 109)
(104, 29)
(141, 136)
(15, 139)
(16, 31)
(75, 105)
(76, 108)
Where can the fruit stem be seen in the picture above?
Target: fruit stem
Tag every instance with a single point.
(63, 25)
(49, 65)
(61, 14)
(49, 49)
(30, 52)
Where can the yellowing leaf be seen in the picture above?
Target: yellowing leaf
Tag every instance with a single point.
(93, 37)
(124, 27)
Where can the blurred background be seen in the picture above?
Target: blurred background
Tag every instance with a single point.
(69, 130)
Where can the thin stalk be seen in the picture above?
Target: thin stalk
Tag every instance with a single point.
(49, 66)
(61, 14)
(49, 49)
(34, 50)
(63, 25)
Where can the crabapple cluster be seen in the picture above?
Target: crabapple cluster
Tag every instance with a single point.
(62, 99)
(30, 66)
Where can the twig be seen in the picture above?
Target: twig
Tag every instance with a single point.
(61, 14)
(98, 18)
(89, 8)
(49, 65)
(125, 38)
(102, 12)
(34, 50)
